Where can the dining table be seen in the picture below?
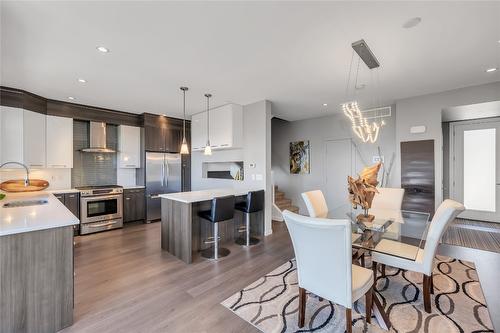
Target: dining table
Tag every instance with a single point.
(392, 232)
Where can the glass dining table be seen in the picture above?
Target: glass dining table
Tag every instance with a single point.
(399, 233)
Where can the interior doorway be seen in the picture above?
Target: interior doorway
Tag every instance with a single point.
(475, 167)
(340, 162)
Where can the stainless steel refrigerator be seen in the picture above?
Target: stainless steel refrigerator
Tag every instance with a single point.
(163, 175)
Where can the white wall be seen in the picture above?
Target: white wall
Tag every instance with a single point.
(256, 150)
(427, 110)
(318, 131)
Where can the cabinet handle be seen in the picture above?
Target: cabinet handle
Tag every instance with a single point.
(127, 198)
(58, 165)
(36, 165)
(225, 145)
(72, 196)
(130, 165)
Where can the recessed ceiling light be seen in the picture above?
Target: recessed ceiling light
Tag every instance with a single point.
(324, 104)
(102, 49)
(82, 80)
(413, 22)
(71, 98)
(491, 70)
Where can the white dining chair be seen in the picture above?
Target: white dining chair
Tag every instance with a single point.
(315, 203)
(424, 263)
(324, 264)
(388, 198)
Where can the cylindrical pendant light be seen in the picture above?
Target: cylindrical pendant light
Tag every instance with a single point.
(184, 145)
(208, 149)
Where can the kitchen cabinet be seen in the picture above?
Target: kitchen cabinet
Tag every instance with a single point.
(71, 201)
(34, 145)
(11, 135)
(134, 208)
(225, 128)
(129, 147)
(162, 134)
(22, 137)
(59, 142)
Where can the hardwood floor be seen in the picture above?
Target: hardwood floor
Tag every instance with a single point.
(125, 283)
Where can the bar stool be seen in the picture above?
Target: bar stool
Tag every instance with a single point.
(222, 210)
(253, 204)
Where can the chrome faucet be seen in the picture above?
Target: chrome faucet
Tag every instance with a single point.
(27, 178)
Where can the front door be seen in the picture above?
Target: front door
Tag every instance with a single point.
(475, 179)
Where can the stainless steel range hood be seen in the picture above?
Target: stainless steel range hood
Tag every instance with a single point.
(98, 139)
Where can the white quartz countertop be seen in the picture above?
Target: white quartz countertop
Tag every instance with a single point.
(205, 195)
(17, 220)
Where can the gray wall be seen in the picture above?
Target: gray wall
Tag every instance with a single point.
(318, 131)
(427, 110)
(256, 150)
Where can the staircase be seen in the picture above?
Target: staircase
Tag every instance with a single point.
(282, 202)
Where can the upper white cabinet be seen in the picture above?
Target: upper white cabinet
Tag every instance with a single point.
(225, 127)
(34, 139)
(199, 131)
(129, 147)
(59, 142)
(11, 135)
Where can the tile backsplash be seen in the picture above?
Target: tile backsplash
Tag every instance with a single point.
(93, 168)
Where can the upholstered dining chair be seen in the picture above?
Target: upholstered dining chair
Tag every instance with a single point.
(424, 263)
(388, 198)
(315, 203)
(324, 264)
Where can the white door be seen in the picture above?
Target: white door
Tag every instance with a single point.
(340, 163)
(34, 139)
(59, 142)
(476, 169)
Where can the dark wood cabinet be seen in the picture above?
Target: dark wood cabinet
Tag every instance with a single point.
(134, 208)
(162, 134)
(71, 201)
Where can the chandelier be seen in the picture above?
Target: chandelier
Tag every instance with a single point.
(365, 124)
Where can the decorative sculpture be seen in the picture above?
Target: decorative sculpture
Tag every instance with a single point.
(363, 189)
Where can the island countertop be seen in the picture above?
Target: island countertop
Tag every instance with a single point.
(15, 220)
(205, 195)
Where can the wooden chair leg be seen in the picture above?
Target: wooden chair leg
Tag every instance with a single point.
(432, 284)
(302, 306)
(383, 270)
(426, 290)
(368, 305)
(348, 320)
(374, 268)
(362, 260)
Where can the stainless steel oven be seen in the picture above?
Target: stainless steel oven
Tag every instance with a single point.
(101, 208)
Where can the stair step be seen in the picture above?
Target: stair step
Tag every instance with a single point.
(279, 195)
(283, 202)
(293, 209)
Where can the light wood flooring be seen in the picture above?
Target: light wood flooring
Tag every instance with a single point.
(125, 283)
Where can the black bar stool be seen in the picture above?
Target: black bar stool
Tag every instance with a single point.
(253, 204)
(222, 210)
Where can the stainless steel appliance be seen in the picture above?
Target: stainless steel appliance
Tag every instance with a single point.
(101, 208)
(163, 175)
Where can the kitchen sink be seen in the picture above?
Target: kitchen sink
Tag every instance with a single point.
(25, 203)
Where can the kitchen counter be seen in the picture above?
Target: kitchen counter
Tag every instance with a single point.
(17, 220)
(204, 195)
(64, 191)
(183, 232)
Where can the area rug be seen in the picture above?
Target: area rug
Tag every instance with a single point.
(271, 303)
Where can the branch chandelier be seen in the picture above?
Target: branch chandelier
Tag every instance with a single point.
(366, 130)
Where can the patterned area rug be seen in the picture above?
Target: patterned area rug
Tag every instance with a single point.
(458, 305)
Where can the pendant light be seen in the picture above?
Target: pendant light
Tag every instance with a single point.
(184, 145)
(208, 149)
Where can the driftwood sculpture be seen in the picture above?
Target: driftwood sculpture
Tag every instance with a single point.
(363, 189)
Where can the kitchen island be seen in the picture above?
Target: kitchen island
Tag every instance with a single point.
(183, 232)
(36, 263)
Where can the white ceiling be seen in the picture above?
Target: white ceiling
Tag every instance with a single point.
(295, 54)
